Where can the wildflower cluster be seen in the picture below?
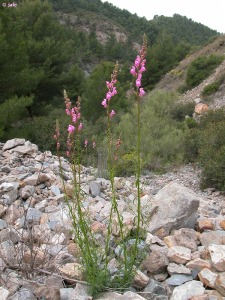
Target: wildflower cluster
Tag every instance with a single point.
(111, 90)
(74, 113)
(139, 67)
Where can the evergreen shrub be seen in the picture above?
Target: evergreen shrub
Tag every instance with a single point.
(200, 68)
(210, 89)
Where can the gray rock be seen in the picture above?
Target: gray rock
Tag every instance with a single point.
(5, 169)
(9, 234)
(13, 143)
(212, 237)
(65, 293)
(10, 196)
(6, 187)
(27, 148)
(95, 189)
(23, 294)
(8, 252)
(55, 190)
(178, 279)
(188, 290)
(154, 287)
(4, 293)
(27, 191)
(156, 262)
(175, 206)
(3, 224)
(33, 215)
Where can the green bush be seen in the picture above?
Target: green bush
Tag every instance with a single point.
(201, 68)
(12, 111)
(212, 156)
(191, 145)
(161, 136)
(127, 165)
(205, 144)
(180, 110)
(40, 130)
(210, 89)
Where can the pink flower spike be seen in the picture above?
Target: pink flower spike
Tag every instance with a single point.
(141, 92)
(93, 144)
(104, 103)
(85, 142)
(71, 129)
(112, 113)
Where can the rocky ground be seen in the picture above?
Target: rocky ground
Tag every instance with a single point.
(184, 244)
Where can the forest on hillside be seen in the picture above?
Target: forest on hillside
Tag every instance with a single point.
(40, 58)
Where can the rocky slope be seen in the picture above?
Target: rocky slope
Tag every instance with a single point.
(176, 77)
(184, 244)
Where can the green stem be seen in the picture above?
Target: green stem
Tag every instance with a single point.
(138, 176)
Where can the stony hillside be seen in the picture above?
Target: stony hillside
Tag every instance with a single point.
(176, 77)
(102, 26)
(39, 259)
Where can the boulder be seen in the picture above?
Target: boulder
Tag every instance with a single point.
(174, 207)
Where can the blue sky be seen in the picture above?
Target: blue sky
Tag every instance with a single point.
(209, 13)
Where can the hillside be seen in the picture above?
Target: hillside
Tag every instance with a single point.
(174, 79)
(88, 14)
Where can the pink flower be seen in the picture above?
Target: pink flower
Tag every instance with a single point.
(71, 129)
(133, 71)
(93, 144)
(141, 92)
(108, 84)
(114, 91)
(67, 111)
(138, 83)
(112, 113)
(85, 142)
(137, 61)
(74, 118)
(104, 103)
(80, 126)
(108, 95)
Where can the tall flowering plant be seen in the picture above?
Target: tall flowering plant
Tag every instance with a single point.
(96, 267)
(112, 157)
(136, 71)
(80, 221)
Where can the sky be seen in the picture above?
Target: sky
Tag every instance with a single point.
(207, 12)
